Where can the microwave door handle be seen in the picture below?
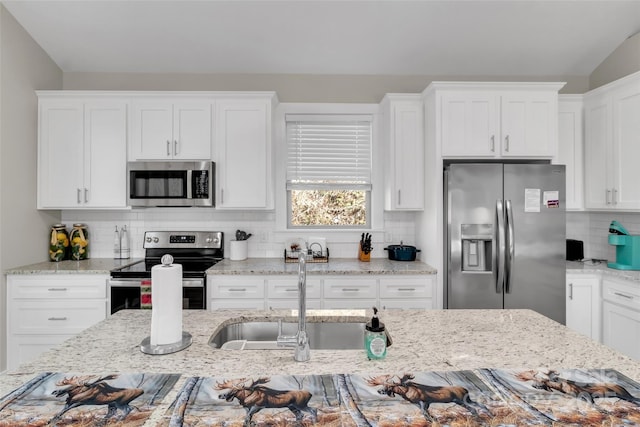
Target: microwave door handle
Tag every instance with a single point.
(189, 184)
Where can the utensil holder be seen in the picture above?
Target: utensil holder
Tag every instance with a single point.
(362, 256)
(238, 250)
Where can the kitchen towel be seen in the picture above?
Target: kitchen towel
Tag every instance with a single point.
(166, 313)
(145, 294)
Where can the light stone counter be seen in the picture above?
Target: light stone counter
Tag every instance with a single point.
(87, 266)
(431, 340)
(422, 341)
(268, 266)
(600, 267)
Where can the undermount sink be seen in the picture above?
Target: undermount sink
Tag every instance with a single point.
(263, 335)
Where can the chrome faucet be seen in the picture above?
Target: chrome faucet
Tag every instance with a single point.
(300, 341)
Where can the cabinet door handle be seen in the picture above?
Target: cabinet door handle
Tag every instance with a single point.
(608, 196)
(506, 141)
(623, 295)
(57, 318)
(222, 196)
(350, 290)
(570, 290)
(175, 147)
(168, 148)
(493, 143)
(614, 198)
(86, 195)
(78, 195)
(291, 290)
(237, 289)
(406, 289)
(399, 197)
(57, 289)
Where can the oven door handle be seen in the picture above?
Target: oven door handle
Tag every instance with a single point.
(193, 283)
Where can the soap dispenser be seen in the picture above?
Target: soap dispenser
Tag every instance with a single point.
(375, 338)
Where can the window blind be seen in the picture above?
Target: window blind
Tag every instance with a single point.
(328, 151)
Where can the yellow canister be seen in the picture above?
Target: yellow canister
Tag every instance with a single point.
(58, 243)
(79, 242)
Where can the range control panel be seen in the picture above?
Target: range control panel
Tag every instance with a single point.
(182, 239)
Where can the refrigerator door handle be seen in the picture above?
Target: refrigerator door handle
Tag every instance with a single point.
(500, 247)
(510, 253)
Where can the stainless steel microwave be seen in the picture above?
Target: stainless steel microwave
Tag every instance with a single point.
(170, 183)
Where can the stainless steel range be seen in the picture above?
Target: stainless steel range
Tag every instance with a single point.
(196, 251)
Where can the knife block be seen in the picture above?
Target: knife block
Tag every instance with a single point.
(362, 256)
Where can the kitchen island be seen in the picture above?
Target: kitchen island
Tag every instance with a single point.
(431, 340)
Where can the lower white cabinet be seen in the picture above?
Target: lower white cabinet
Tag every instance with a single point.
(583, 304)
(45, 310)
(621, 316)
(323, 291)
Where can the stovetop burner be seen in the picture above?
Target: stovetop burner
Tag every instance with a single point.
(196, 251)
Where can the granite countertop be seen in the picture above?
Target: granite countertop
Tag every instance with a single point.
(87, 266)
(600, 266)
(266, 266)
(431, 340)
(422, 340)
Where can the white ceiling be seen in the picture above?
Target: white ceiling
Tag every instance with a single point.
(419, 37)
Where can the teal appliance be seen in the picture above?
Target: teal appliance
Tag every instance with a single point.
(627, 248)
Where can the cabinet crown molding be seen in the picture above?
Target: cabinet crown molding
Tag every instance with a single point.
(494, 86)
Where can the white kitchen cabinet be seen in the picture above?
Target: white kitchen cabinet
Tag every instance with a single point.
(45, 310)
(583, 304)
(404, 147)
(407, 292)
(621, 316)
(243, 152)
(496, 120)
(570, 148)
(171, 128)
(612, 145)
(323, 291)
(82, 151)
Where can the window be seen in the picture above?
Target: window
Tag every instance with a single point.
(328, 171)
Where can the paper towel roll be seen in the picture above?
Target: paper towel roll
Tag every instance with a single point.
(166, 311)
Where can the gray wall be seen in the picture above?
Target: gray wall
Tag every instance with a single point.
(24, 67)
(290, 87)
(621, 62)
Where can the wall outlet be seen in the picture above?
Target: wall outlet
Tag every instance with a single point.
(388, 237)
(264, 236)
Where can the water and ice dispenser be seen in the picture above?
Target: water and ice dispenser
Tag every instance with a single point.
(476, 247)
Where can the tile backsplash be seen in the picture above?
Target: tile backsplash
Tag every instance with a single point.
(593, 229)
(265, 241)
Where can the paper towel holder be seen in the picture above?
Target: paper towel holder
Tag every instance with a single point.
(147, 348)
(157, 349)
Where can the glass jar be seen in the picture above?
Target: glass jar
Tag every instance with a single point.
(79, 242)
(58, 243)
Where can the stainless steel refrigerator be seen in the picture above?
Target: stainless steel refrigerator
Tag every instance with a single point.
(505, 237)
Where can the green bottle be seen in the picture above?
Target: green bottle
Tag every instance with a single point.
(375, 338)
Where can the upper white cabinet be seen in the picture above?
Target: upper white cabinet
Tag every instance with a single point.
(570, 147)
(612, 145)
(82, 151)
(171, 128)
(403, 137)
(496, 120)
(243, 152)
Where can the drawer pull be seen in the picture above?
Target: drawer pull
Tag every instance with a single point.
(237, 289)
(623, 295)
(57, 289)
(291, 290)
(57, 318)
(350, 290)
(406, 289)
